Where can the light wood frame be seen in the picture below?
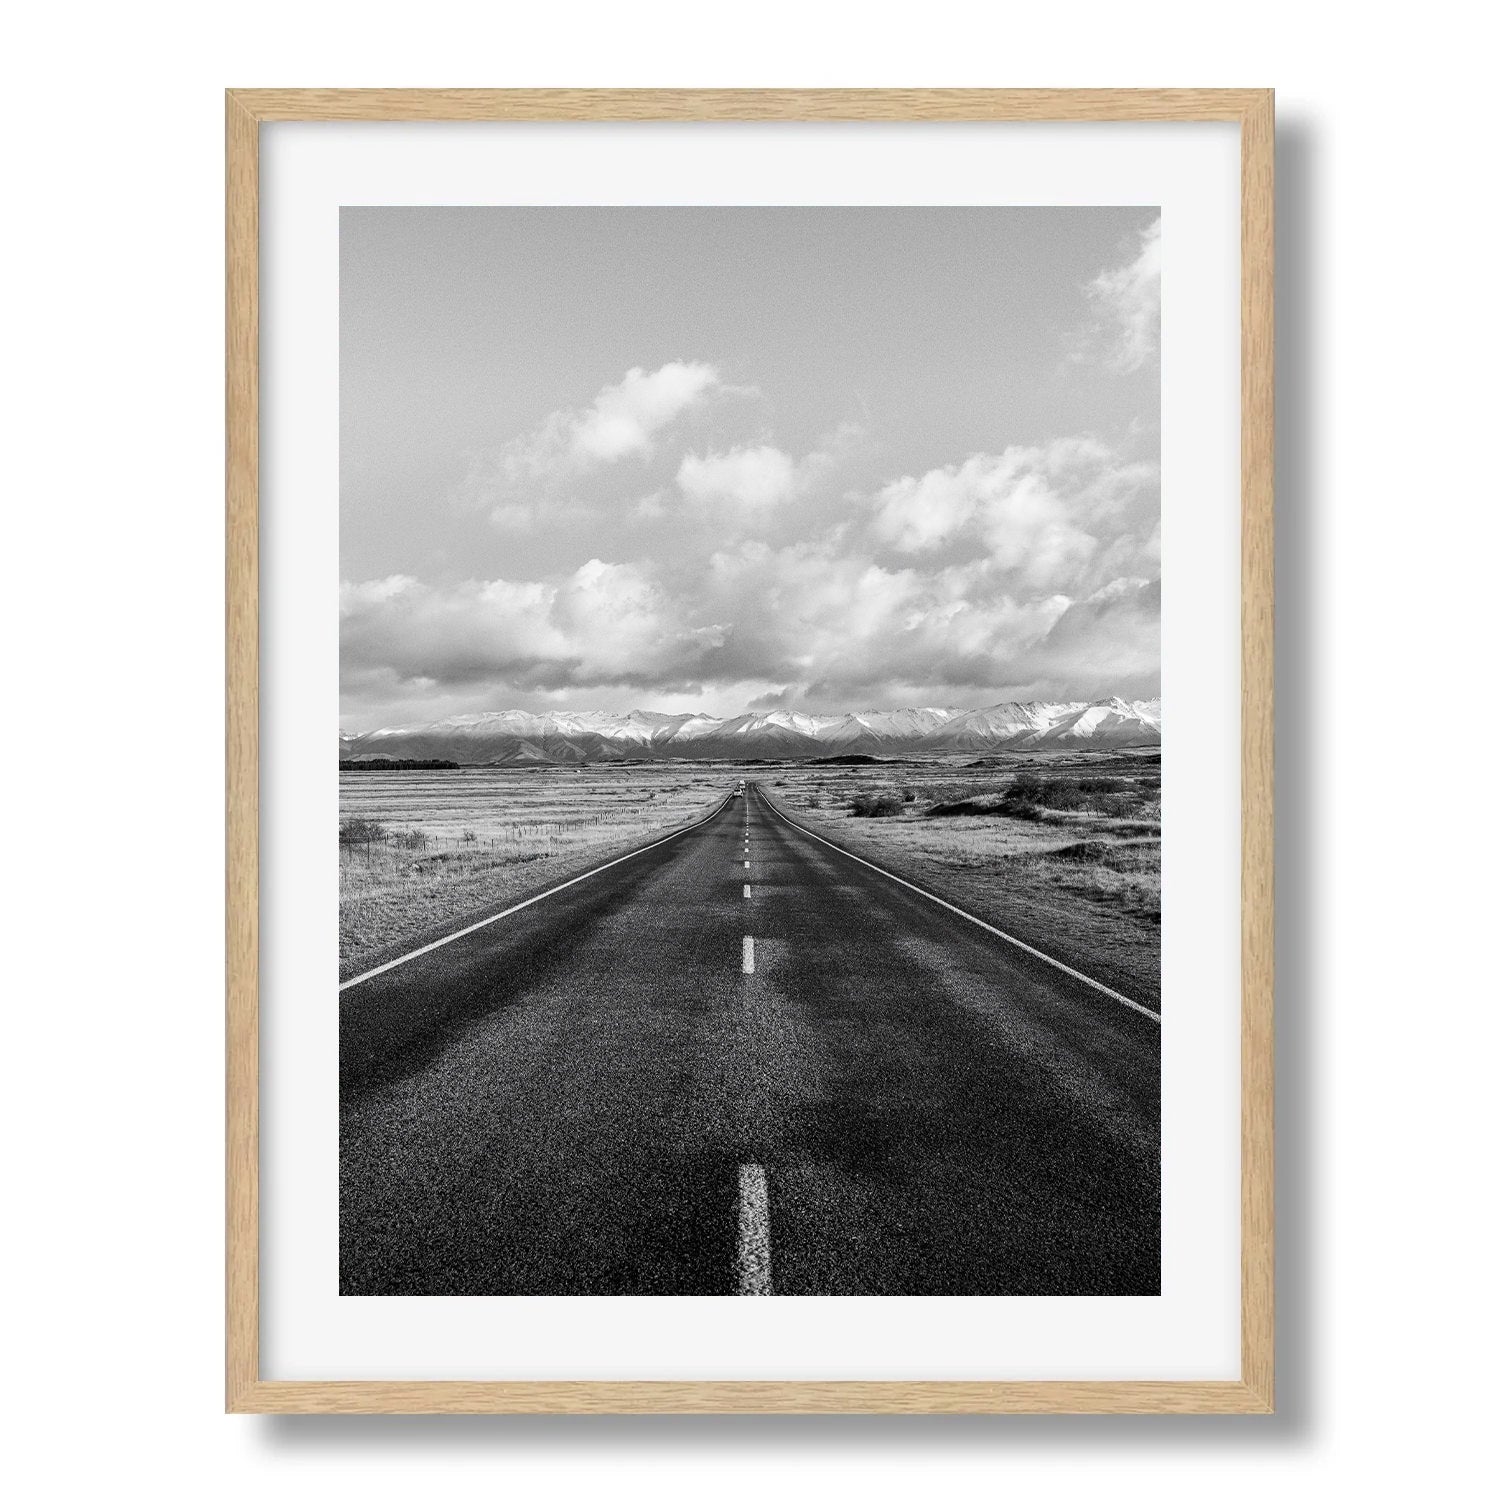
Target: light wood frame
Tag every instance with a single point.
(247, 109)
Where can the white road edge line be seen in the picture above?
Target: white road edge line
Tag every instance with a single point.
(453, 937)
(747, 955)
(1046, 958)
(752, 1251)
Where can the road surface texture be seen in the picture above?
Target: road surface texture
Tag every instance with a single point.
(744, 1063)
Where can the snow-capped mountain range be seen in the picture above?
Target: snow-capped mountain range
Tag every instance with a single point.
(516, 737)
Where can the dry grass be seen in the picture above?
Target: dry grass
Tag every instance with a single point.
(460, 842)
(1082, 881)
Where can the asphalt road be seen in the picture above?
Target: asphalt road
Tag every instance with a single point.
(612, 1092)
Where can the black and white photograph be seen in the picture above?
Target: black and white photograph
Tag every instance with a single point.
(750, 751)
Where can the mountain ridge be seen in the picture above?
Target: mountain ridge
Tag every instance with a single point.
(561, 737)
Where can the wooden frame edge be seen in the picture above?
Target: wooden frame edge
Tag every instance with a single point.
(1233, 105)
(1257, 772)
(245, 111)
(752, 1398)
(241, 751)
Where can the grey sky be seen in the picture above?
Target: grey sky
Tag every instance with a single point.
(703, 458)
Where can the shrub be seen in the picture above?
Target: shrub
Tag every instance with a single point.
(1130, 857)
(967, 807)
(956, 791)
(357, 833)
(1026, 787)
(1031, 790)
(876, 805)
(364, 831)
(1090, 851)
(1028, 812)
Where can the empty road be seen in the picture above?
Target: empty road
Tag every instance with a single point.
(744, 1063)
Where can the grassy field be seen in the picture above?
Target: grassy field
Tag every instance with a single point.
(1064, 852)
(423, 851)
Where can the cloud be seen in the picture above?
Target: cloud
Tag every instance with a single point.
(1024, 573)
(650, 507)
(626, 417)
(810, 624)
(1041, 515)
(623, 421)
(1109, 642)
(755, 477)
(1126, 302)
(779, 698)
(844, 626)
(605, 624)
(747, 484)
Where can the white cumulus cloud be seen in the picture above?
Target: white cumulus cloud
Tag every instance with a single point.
(757, 477)
(1028, 572)
(1127, 306)
(742, 487)
(624, 418)
(603, 624)
(623, 421)
(1042, 515)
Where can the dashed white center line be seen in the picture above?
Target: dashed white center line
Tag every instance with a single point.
(747, 864)
(747, 893)
(752, 1251)
(747, 955)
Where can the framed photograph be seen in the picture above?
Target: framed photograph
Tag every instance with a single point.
(790, 926)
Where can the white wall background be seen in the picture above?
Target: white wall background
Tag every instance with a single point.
(112, 599)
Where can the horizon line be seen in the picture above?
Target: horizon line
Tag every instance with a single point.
(748, 712)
